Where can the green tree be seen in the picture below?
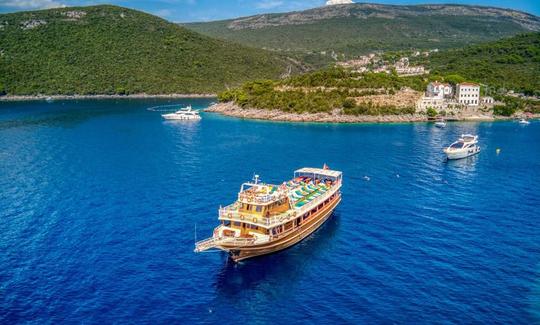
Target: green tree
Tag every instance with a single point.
(431, 112)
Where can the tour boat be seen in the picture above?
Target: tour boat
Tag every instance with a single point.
(268, 218)
(466, 146)
(183, 114)
(524, 121)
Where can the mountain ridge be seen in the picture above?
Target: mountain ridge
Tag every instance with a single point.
(525, 19)
(365, 27)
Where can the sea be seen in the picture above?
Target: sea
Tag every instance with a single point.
(101, 202)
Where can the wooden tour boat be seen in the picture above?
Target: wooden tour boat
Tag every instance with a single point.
(268, 218)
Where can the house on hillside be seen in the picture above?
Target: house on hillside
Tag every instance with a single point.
(468, 93)
(463, 99)
(437, 96)
(439, 90)
(404, 69)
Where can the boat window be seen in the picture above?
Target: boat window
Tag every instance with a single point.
(258, 208)
(237, 224)
(227, 223)
(457, 145)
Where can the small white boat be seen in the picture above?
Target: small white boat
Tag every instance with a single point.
(524, 122)
(440, 124)
(183, 114)
(49, 99)
(465, 147)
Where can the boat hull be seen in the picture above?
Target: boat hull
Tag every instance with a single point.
(288, 240)
(179, 118)
(454, 155)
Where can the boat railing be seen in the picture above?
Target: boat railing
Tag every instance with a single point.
(231, 213)
(305, 208)
(254, 198)
(206, 244)
(234, 215)
(308, 206)
(212, 242)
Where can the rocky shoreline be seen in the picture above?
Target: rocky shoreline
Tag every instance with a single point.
(69, 97)
(231, 109)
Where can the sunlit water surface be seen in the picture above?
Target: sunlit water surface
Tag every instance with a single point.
(99, 202)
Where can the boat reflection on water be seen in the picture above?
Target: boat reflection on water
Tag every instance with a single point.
(464, 166)
(280, 269)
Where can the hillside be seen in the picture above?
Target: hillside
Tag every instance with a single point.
(109, 49)
(367, 27)
(326, 90)
(512, 63)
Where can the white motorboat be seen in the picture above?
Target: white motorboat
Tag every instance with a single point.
(524, 121)
(440, 124)
(183, 114)
(466, 146)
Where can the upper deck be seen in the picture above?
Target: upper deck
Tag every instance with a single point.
(267, 204)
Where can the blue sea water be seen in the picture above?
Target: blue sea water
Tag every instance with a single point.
(99, 201)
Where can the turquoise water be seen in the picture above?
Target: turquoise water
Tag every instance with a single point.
(99, 202)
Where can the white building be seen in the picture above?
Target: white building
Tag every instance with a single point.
(338, 2)
(439, 90)
(468, 94)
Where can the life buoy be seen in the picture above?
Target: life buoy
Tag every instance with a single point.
(255, 220)
(229, 215)
(241, 217)
(280, 219)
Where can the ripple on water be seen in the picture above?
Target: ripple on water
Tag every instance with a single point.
(99, 201)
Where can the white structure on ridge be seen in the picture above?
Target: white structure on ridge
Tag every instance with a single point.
(338, 2)
(468, 94)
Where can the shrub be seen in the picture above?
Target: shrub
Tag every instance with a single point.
(504, 110)
(431, 112)
(349, 103)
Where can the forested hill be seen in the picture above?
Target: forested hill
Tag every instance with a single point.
(512, 63)
(358, 28)
(108, 49)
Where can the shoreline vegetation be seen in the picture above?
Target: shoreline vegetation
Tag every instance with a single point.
(234, 110)
(8, 98)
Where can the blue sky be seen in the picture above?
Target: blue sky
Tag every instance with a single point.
(204, 10)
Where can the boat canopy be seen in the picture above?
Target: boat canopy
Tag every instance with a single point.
(318, 173)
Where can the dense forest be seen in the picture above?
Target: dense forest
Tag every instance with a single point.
(114, 50)
(512, 63)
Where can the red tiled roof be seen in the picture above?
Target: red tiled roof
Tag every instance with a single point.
(469, 84)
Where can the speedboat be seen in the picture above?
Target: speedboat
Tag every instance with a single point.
(440, 124)
(524, 121)
(465, 147)
(183, 114)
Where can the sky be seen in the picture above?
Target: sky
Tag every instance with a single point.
(207, 10)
